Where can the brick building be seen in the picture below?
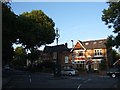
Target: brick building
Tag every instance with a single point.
(58, 53)
(89, 54)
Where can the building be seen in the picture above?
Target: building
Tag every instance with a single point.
(89, 54)
(57, 54)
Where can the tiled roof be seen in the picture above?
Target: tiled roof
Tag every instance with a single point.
(94, 44)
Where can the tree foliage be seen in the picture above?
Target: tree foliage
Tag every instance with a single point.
(31, 29)
(36, 29)
(34, 55)
(110, 42)
(20, 56)
(111, 17)
(8, 32)
(115, 56)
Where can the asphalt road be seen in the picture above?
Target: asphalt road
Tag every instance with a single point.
(23, 79)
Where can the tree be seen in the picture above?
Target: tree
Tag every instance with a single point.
(34, 55)
(8, 32)
(111, 17)
(29, 29)
(20, 57)
(110, 42)
(36, 29)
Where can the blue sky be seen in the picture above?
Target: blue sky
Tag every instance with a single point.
(76, 21)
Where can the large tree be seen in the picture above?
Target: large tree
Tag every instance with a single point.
(36, 29)
(8, 32)
(31, 29)
(111, 17)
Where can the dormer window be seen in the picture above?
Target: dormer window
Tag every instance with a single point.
(94, 42)
(100, 41)
(86, 43)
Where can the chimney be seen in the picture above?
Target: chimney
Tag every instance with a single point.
(66, 44)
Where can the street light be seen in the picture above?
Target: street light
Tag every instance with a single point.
(57, 67)
(57, 35)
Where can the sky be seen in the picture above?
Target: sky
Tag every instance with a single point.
(74, 20)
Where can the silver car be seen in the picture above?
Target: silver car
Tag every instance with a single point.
(69, 72)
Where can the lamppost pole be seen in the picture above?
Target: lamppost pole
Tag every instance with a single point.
(57, 67)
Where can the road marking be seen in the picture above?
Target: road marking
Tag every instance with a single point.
(79, 86)
(87, 80)
(30, 78)
(75, 78)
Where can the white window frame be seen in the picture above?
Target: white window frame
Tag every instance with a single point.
(98, 52)
(66, 59)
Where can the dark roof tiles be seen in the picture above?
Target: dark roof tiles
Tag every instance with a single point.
(57, 48)
(94, 44)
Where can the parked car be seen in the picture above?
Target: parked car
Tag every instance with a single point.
(114, 72)
(69, 72)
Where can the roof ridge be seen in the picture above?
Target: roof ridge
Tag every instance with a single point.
(94, 40)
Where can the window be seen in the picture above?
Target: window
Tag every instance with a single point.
(94, 42)
(80, 53)
(82, 62)
(86, 43)
(66, 59)
(98, 52)
(54, 55)
(100, 41)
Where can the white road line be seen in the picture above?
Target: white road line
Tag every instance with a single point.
(87, 80)
(79, 86)
(30, 78)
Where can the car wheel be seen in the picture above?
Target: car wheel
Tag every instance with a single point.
(70, 74)
(113, 75)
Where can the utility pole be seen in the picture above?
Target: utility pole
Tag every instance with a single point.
(57, 64)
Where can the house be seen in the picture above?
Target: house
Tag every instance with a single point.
(59, 54)
(89, 54)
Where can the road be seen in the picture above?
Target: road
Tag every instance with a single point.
(23, 79)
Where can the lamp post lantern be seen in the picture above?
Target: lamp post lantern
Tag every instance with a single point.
(57, 35)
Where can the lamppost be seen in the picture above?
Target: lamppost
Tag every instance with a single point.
(57, 35)
(57, 66)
